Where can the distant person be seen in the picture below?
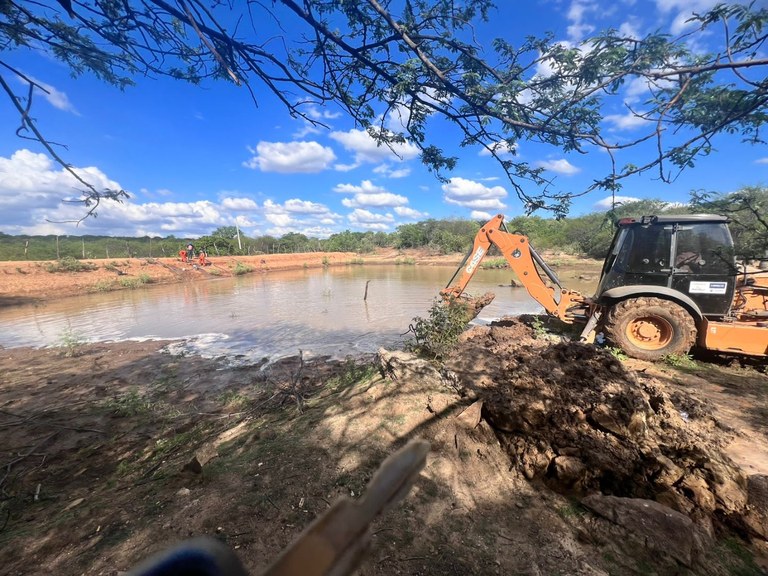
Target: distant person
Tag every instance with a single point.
(183, 255)
(202, 258)
(190, 252)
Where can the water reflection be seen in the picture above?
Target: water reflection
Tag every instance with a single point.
(320, 311)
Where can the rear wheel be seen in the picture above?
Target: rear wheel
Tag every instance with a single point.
(649, 328)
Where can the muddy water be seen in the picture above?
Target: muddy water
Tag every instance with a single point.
(318, 311)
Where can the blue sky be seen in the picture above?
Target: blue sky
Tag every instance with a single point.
(194, 158)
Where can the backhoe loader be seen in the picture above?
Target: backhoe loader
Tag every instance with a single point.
(668, 283)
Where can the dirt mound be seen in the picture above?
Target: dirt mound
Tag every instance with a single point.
(572, 416)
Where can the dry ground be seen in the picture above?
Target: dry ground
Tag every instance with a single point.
(95, 446)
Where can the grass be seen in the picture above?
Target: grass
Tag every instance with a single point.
(356, 261)
(232, 399)
(682, 361)
(352, 374)
(326, 261)
(129, 404)
(406, 260)
(617, 352)
(112, 266)
(104, 286)
(490, 263)
(241, 269)
(69, 264)
(539, 330)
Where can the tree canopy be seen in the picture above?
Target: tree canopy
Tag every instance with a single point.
(394, 65)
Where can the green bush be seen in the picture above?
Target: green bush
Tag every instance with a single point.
(241, 269)
(500, 262)
(70, 264)
(437, 334)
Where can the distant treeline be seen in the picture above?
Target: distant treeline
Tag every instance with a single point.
(589, 235)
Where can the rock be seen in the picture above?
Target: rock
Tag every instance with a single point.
(698, 491)
(604, 417)
(74, 503)
(183, 492)
(399, 364)
(756, 517)
(201, 458)
(568, 470)
(658, 528)
(471, 417)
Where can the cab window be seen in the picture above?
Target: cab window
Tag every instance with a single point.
(704, 249)
(645, 250)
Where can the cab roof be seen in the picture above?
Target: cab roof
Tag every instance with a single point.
(674, 219)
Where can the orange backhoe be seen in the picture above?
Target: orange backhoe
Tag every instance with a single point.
(667, 284)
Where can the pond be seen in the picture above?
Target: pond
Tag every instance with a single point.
(248, 318)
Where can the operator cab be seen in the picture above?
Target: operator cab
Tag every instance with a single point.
(691, 254)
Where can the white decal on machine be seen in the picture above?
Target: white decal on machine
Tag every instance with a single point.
(708, 287)
(475, 260)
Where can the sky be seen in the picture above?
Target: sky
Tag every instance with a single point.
(194, 158)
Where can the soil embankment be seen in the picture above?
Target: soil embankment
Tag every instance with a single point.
(26, 281)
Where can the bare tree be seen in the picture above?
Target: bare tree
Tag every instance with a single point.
(393, 65)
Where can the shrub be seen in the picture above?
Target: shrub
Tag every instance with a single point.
(69, 264)
(241, 269)
(130, 282)
(435, 335)
(70, 342)
(500, 262)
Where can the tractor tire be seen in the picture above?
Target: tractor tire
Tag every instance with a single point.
(650, 328)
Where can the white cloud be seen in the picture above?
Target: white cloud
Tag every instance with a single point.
(294, 207)
(368, 194)
(366, 186)
(474, 195)
(607, 202)
(501, 148)
(762, 160)
(561, 166)
(406, 212)
(683, 10)
(630, 29)
(305, 207)
(480, 215)
(238, 204)
(577, 13)
(301, 216)
(378, 199)
(55, 98)
(369, 220)
(626, 121)
(366, 149)
(317, 113)
(32, 186)
(387, 171)
(290, 157)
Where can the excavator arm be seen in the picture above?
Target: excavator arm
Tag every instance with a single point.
(567, 305)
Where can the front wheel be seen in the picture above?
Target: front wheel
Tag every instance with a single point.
(649, 328)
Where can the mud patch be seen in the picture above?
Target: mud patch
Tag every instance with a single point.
(570, 415)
